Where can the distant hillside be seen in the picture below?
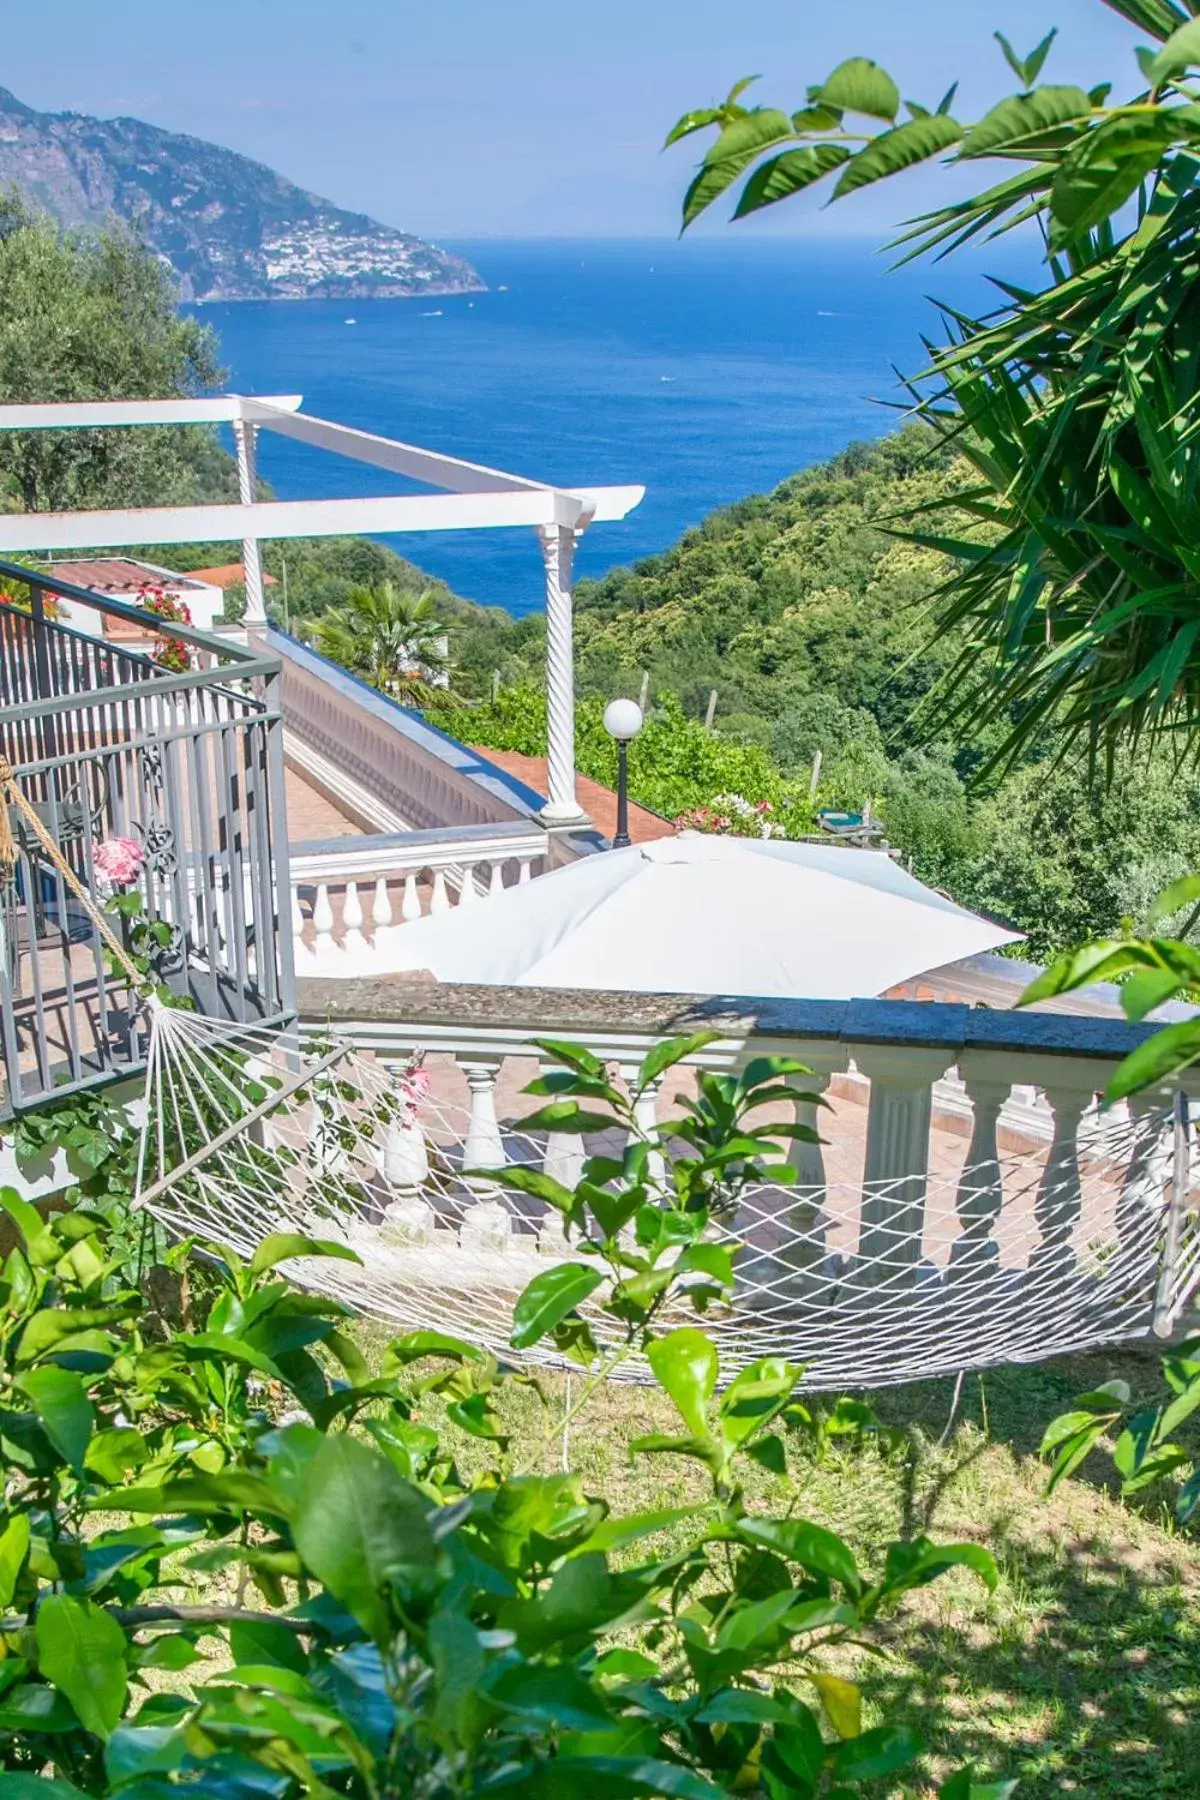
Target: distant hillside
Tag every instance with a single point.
(232, 229)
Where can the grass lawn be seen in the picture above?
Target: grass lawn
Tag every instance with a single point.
(1081, 1673)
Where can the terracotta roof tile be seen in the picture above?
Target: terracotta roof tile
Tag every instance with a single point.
(598, 801)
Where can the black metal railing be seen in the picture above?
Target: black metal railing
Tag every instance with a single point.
(176, 749)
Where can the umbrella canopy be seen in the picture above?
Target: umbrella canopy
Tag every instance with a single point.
(693, 914)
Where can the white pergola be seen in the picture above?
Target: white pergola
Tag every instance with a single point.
(470, 498)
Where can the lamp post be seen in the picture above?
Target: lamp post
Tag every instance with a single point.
(622, 721)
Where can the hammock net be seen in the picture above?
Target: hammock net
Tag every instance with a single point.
(249, 1132)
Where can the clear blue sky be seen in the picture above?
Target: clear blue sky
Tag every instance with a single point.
(464, 118)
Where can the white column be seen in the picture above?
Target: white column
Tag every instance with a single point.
(897, 1160)
(246, 438)
(486, 1225)
(980, 1195)
(410, 905)
(558, 549)
(1144, 1188)
(354, 943)
(322, 917)
(803, 1223)
(1060, 1196)
(439, 899)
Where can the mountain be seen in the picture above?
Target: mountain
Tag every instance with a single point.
(231, 228)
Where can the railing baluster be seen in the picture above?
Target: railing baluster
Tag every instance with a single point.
(353, 942)
(980, 1196)
(899, 1115)
(410, 906)
(322, 916)
(468, 893)
(486, 1224)
(439, 900)
(1060, 1196)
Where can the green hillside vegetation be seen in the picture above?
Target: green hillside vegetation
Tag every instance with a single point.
(807, 610)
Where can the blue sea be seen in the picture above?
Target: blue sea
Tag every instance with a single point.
(704, 370)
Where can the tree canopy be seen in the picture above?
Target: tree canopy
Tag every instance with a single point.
(94, 318)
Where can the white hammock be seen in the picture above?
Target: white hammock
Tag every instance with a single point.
(249, 1132)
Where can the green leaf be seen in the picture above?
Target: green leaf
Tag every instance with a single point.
(1181, 51)
(360, 1528)
(1023, 117)
(281, 1246)
(1173, 1048)
(770, 1454)
(548, 1299)
(39, 1239)
(812, 1546)
(553, 1698)
(788, 173)
(664, 1056)
(902, 147)
(1146, 990)
(876, 1753)
(81, 1650)
(685, 1364)
(1101, 171)
(259, 1641)
(533, 1181)
(750, 134)
(1181, 893)
(14, 1543)
(59, 1399)
(860, 85)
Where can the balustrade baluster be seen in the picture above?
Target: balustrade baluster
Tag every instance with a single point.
(798, 1234)
(897, 1160)
(353, 943)
(302, 956)
(322, 917)
(1060, 1197)
(1144, 1188)
(468, 893)
(410, 905)
(439, 900)
(526, 863)
(381, 907)
(980, 1196)
(496, 884)
(486, 1224)
(409, 1218)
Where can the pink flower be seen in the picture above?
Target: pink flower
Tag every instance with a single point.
(119, 860)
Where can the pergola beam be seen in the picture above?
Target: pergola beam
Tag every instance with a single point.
(429, 466)
(93, 415)
(308, 518)
(472, 497)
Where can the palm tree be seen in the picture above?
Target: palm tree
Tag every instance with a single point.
(393, 638)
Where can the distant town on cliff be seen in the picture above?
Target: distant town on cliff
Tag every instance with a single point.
(231, 228)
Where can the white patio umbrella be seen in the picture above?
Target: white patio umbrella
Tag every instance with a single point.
(693, 914)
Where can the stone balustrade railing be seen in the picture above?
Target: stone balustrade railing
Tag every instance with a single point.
(351, 897)
(956, 1143)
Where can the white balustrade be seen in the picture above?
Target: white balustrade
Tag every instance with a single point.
(898, 1206)
(899, 1115)
(337, 933)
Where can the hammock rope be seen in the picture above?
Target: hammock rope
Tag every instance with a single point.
(249, 1133)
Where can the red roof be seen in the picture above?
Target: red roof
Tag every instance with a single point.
(598, 801)
(227, 575)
